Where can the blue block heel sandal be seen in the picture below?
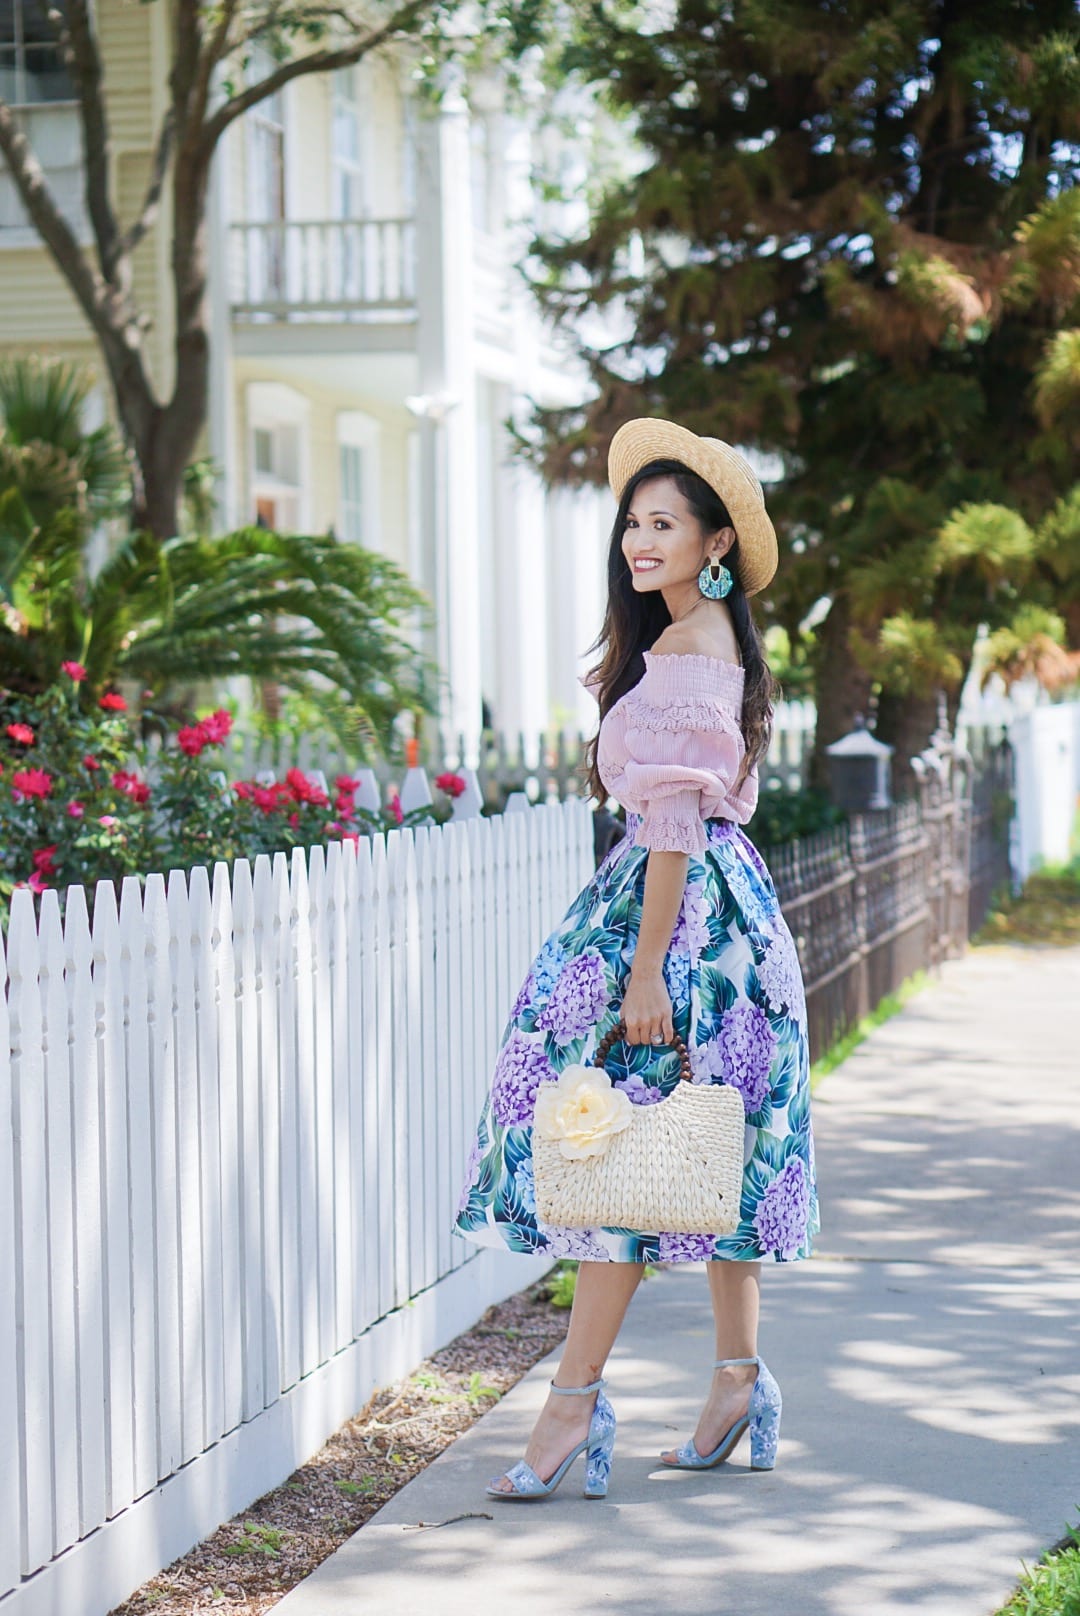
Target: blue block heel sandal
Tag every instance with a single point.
(763, 1418)
(597, 1447)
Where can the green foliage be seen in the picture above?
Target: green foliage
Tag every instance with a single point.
(258, 1539)
(324, 619)
(82, 799)
(784, 816)
(1051, 1588)
(852, 242)
(559, 1285)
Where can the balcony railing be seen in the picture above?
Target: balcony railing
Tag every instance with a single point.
(323, 268)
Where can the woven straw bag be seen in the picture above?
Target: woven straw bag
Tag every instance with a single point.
(676, 1166)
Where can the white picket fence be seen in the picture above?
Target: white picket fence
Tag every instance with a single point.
(233, 1127)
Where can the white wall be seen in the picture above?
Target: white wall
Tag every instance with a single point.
(1047, 745)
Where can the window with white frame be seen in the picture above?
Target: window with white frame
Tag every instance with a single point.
(348, 187)
(278, 448)
(358, 465)
(266, 187)
(34, 81)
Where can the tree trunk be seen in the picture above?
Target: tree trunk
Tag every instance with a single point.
(841, 688)
(905, 723)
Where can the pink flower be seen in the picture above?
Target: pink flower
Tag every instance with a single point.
(75, 671)
(75, 810)
(37, 882)
(395, 807)
(109, 821)
(452, 784)
(21, 733)
(91, 763)
(31, 782)
(191, 740)
(112, 703)
(43, 860)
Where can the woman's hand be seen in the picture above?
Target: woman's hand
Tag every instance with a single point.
(646, 1009)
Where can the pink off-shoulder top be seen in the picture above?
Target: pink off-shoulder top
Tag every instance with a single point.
(670, 749)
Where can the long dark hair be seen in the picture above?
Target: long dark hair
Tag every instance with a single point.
(633, 621)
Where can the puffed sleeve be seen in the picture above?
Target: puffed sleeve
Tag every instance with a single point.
(685, 750)
(591, 685)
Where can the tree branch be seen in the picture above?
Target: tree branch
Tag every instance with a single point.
(85, 60)
(320, 61)
(148, 212)
(46, 217)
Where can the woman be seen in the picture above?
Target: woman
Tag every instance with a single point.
(679, 931)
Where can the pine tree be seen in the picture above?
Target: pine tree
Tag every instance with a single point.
(852, 244)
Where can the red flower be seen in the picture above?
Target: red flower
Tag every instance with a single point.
(75, 671)
(43, 860)
(21, 733)
(191, 740)
(91, 763)
(113, 703)
(344, 804)
(75, 810)
(266, 798)
(345, 782)
(452, 784)
(131, 786)
(31, 783)
(37, 882)
(304, 790)
(395, 807)
(294, 820)
(216, 728)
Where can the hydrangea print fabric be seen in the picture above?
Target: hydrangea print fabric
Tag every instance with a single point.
(737, 997)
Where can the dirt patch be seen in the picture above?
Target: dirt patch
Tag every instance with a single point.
(252, 1561)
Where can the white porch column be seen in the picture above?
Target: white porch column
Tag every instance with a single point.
(221, 412)
(446, 406)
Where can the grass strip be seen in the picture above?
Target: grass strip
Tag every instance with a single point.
(1051, 1588)
(882, 1011)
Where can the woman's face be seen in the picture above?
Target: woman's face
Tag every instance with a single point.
(663, 542)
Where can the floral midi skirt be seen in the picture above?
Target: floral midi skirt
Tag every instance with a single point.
(737, 997)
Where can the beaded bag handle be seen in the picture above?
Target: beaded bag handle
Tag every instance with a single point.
(604, 1048)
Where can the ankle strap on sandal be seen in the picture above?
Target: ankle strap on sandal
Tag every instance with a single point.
(722, 1363)
(578, 1391)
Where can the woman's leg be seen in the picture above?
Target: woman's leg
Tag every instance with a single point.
(602, 1294)
(735, 1291)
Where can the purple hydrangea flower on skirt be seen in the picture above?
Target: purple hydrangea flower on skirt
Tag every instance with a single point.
(637, 1091)
(578, 998)
(578, 1244)
(691, 932)
(677, 979)
(780, 1220)
(685, 1247)
(521, 1066)
(780, 976)
(747, 1043)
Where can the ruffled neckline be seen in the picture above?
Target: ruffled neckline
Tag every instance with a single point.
(693, 656)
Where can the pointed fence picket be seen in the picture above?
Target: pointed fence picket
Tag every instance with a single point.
(235, 1111)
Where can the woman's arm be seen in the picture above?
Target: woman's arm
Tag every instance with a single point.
(646, 1009)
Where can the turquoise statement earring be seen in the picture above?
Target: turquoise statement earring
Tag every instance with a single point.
(715, 580)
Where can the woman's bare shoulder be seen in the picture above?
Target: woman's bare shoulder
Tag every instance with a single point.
(692, 639)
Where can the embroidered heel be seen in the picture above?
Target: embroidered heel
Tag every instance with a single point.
(597, 1447)
(762, 1417)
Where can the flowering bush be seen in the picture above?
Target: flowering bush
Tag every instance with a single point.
(82, 799)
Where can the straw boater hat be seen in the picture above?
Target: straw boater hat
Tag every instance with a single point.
(638, 443)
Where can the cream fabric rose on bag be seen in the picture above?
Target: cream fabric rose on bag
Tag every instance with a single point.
(581, 1111)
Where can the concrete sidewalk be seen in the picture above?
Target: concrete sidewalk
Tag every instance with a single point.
(929, 1357)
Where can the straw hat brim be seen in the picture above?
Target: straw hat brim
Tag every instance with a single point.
(638, 443)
